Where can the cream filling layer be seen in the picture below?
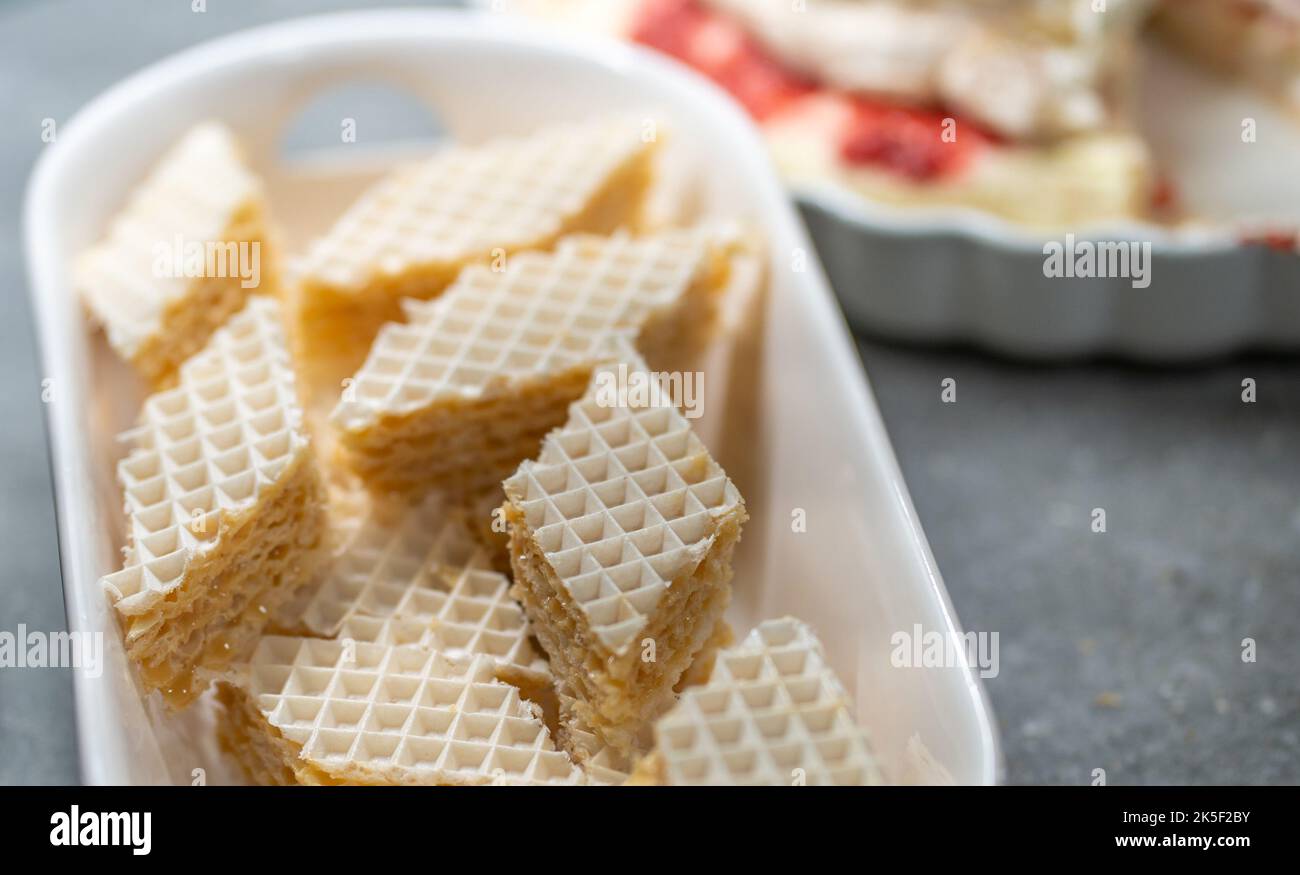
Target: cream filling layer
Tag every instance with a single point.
(1028, 70)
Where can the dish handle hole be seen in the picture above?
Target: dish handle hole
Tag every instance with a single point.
(368, 115)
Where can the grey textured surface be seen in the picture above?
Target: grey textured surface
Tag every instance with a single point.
(1118, 650)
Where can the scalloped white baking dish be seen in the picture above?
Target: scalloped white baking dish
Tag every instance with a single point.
(796, 427)
(966, 276)
(945, 274)
(978, 282)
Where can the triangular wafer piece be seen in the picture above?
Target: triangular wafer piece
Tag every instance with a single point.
(621, 536)
(225, 507)
(317, 711)
(181, 257)
(413, 232)
(463, 391)
(772, 713)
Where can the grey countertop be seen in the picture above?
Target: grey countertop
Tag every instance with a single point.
(1119, 650)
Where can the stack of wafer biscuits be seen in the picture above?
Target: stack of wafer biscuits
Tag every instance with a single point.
(457, 395)
(181, 257)
(496, 312)
(225, 507)
(415, 230)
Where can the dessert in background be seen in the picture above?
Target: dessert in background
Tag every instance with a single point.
(1015, 107)
(1023, 109)
(1257, 41)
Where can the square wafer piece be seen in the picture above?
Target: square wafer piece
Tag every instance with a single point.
(621, 537)
(463, 391)
(416, 229)
(182, 256)
(225, 507)
(316, 711)
(772, 713)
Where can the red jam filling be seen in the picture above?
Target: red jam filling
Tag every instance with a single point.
(906, 140)
(1286, 242)
(721, 50)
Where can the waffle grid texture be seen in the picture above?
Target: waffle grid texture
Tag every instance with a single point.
(462, 391)
(602, 763)
(543, 312)
(622, 501)
(224, 504)
(465, 201)
(417, 575)
(403, 579)
(772, 713)
(621, 536)
(354, 712)
(201, 193)
(416, 229)
(381, 646)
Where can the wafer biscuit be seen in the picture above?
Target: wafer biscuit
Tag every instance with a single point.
(601, 763)
(226, 511)
(621, 536)
(463, 391)
(182, 256)
(416, 574)
(415, 230)
(773, 712)
(348, 507)
(316, 711)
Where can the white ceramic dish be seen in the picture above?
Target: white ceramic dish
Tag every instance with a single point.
(799, 431)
